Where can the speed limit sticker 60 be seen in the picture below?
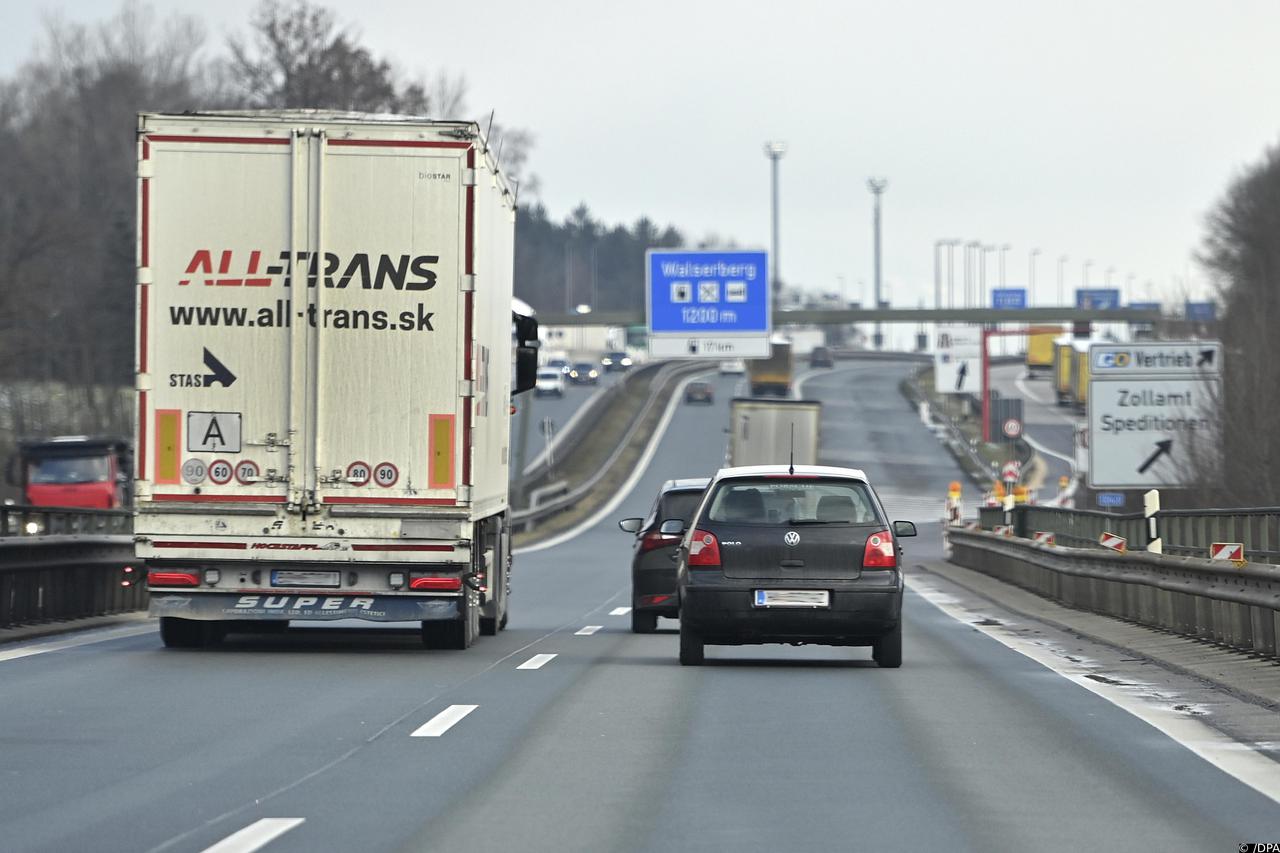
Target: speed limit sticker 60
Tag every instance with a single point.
(220, 472)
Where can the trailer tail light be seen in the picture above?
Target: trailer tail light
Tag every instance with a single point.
(879, 552)
(704, 550)
(435, 583)
(173, 577)
(654, 539)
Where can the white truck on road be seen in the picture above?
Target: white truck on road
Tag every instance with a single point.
(327, 356)
(773, 432)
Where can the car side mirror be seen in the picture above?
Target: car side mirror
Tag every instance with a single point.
(631, 525)
(904, 528)
(671, 527)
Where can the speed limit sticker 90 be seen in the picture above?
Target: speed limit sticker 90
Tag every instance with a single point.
(220, 472)
(386, 474)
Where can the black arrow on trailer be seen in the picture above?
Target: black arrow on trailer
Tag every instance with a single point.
(1162, 447)
(220, 374)
(1206, 358)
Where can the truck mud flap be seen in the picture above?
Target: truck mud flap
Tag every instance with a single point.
(268, 607)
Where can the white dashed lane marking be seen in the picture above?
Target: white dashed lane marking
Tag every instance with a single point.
(445, 720)
(537, 662)
(256, 835)
(587, 631)
(620, 611)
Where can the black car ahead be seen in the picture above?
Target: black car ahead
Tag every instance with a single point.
(613, 361)
(790, 555)
(584, 373)
(821, 357)
(700, 392)
(653, 561)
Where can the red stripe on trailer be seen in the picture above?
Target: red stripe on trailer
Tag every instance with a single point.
(222, 499)
(468, 317)
(389, 501)
(142, 435)
(221, 546)
(232, 140)
(145, 226)
(144, 300)
(396, 143)
(399, 547)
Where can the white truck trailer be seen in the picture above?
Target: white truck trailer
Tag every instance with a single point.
(327, 357)
(773, 432)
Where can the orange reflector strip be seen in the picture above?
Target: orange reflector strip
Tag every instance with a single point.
(440, 449)
(168, 446)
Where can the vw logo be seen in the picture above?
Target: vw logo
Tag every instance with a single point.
(792, 538)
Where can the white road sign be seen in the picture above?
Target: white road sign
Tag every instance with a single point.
(703, 346)
(957, 360)
(213, 432)
(1146, 431)
(1167, 358)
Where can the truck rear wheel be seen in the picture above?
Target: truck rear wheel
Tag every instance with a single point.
(454, 634)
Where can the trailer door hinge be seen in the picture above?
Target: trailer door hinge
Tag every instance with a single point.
(468, 177)
(146, 169)
(466, 388)
(469, 283)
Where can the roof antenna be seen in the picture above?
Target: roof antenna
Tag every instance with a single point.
(488, 131)
(791, 464)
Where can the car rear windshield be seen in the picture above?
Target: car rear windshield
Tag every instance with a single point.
(679, 505)
(789, 501)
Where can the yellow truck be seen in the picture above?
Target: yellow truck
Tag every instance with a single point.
(1080, 376)
(1040, 346)
(1062, 351)
(771, 375)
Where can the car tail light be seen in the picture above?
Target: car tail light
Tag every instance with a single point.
(651, 600)
(654, 539)
(879, 552)
(435, 583)
(704, 550)
(173, 578)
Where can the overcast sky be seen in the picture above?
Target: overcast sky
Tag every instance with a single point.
(1101, 130)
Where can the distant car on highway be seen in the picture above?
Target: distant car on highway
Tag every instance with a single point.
(699, 392)
(550, 383)
(779, 554)
(560, 364)
(584, 373)
(614, 361)
(733, 367)
(653, 561)
(821, 357)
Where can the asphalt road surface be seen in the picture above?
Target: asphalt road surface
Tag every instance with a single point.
(559, 735)
(1046, 423)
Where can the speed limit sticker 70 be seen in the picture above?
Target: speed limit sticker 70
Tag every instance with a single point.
(385, 474)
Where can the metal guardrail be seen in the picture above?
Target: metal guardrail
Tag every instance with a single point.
(1236, 607)
(46, 521)
(668, 373)
(52, 577)
(1183, 532)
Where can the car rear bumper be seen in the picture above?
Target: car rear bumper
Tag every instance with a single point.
(647, 584)
(724, 614)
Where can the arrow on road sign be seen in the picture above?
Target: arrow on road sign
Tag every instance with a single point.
(220, 374)
(961, 374)
(1162, 447)
(1206, 358)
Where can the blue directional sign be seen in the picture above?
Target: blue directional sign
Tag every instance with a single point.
(712, 304)
(1145, 306)
(1098, 298)
(1110, 499)
(1009, 297)
(1202, 312)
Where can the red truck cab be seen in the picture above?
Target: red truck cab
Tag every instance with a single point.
(91, 472)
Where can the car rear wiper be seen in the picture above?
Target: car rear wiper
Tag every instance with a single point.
(812, 521)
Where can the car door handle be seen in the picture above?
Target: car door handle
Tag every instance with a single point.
(792, 564)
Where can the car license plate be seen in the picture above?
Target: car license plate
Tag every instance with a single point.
(281, 577)
(793, 598)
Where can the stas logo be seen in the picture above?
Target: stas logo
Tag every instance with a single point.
(228, 268)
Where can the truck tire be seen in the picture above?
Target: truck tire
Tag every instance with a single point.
(178, 633)
(643, 621)
(887, 651)
(691, 648)
(454, 634)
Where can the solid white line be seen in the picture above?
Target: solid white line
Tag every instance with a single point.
(1049, 407)
(88, 639)
(537, 662)
(620, 611)
(256, 835)
(1026, 436)
(445, 720)
(642, 464)
(587, 631)
(1232, 757)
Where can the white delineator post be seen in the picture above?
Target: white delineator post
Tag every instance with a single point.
(1151, 506)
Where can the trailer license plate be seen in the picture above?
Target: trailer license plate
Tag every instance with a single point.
(793, 598)
(281, 577)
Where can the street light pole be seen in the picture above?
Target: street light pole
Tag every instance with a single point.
(774, 151)
(1006, 247)
(1031, 276)
(1062, 265)
(982, 276)
(877, 187)
(970, 271)
(1085, 273)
